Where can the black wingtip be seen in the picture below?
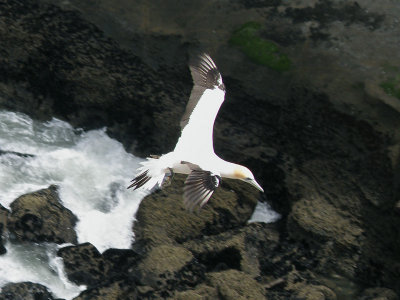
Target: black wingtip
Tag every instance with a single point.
(204, 72)
(139, 180)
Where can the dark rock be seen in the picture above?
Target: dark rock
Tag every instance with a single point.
(3, 227)
(2, 152)
(120, 260)
(84, 264)
(397, 207)
(235, 249)
(40, 217)
(25, 291)
(65, 67)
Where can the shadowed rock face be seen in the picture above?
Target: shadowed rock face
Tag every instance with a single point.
(322, 137)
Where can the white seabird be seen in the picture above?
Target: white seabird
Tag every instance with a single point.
(194, 153)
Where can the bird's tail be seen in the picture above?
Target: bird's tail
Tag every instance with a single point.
(151, 174)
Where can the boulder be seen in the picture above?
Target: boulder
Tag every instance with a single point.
(84, 264)
(25, 291)
(162, 217)
(40, 217)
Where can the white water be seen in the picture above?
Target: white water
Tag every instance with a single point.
(264, 213)
(92, 171)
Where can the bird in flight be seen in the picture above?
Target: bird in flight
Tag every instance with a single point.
(194, 152)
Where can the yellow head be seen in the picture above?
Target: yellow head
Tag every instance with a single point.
(244, 174)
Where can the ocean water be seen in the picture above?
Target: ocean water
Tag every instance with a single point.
(92, 172)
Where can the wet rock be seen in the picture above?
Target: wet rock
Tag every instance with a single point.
(84, 264)
(162, 218)
(120, 261)
(40, 217)
(3, 227)
(25, 291)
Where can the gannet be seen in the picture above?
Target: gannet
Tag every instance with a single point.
(194, 152)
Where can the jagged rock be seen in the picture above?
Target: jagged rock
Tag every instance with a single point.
(162, 218)
(3, 226)
(65, 67)
(84, 264)
(315, 136)
(25, 291)
(235, 249)
(40, 217)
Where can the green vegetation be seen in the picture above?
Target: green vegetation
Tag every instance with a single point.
(259, 50)
(392, 87)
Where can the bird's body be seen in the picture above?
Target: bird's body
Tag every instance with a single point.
(194, 152)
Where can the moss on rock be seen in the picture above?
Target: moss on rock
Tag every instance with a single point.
(258, 49)
(236, 285)
(162, 218)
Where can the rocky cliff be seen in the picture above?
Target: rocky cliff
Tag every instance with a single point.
(312, 108)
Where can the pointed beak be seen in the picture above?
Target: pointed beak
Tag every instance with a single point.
(256, 185)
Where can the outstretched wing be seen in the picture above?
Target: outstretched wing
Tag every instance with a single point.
(199, 186)
(206, 98)
(140, 180)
